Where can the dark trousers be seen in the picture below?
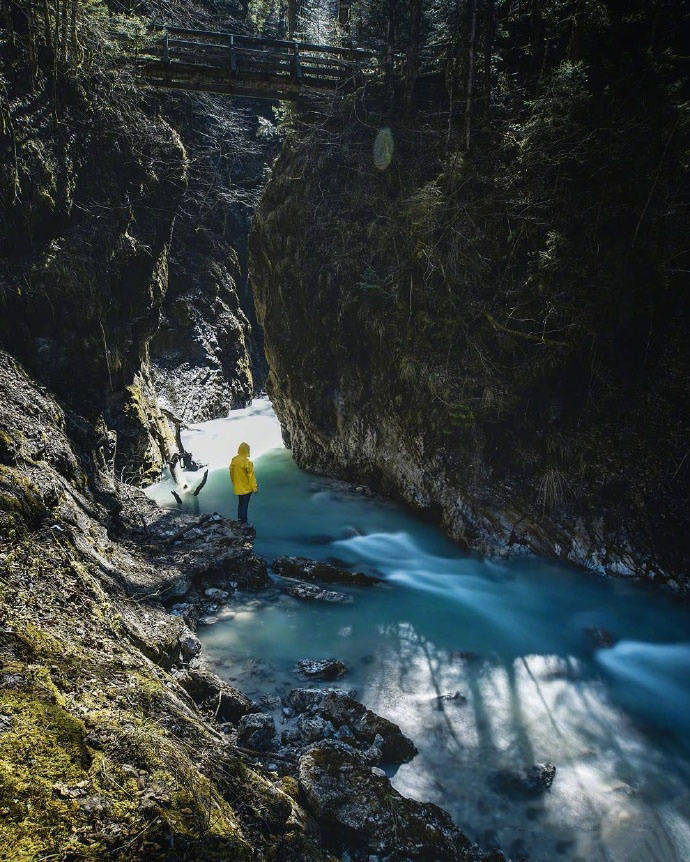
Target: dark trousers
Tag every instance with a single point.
(243, 507)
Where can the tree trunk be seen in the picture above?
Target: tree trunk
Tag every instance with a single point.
(63, 35)
(488, 53)
(453, 68)
(73, 28)
(46, 21)
(9, 26)
(413, 49)
(390, 45)
(470, 77)
(292, 18)
(344, 14)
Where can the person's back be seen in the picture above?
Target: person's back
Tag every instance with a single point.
(243, 480)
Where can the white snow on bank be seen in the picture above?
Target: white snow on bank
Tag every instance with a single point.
(214, 443)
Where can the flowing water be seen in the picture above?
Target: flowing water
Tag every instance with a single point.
(509, 637)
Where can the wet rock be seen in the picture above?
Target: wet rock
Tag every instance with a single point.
(327, 668)
(313, 728)
(374, 754)
(305, 569)
(340, 709)
(456, 698)
(313, 593)
(189, 611)
(269, 701)
(190, 645)
(529, 782)
(211, 692)
(600, 637)
(257, 731)
(362, 813)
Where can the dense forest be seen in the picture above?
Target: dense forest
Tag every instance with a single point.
(459, 269)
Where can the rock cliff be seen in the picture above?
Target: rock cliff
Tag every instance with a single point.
(103, 751)
(495, 337)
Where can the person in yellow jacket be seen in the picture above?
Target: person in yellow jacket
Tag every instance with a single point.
(243, 480)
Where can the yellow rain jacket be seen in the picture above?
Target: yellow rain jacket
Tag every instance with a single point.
(242, 471)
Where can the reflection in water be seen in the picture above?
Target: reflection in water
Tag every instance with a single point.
(508, 637)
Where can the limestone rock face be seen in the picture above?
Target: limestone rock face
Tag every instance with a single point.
(90, 665)
(390, 364)
(207, 355)
(84, 257)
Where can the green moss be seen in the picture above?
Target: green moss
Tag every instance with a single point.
(289, 786)
(42, 751)
(20, 499)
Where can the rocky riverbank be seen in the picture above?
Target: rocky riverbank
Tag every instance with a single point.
(115, 737)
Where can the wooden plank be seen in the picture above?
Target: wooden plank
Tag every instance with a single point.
(218, 80)
(277, 65)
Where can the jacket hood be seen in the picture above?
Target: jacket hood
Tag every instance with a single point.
(243, 449)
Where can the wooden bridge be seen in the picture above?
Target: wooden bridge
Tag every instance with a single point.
(208, 61)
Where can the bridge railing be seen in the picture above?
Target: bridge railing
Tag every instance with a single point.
(188, 51)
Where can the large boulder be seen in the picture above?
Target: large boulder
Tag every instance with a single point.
(340, 709)
(256, 731)
(211, 692)
(358, 809)
(316, 571)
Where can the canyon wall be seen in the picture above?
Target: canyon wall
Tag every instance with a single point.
(495, 337)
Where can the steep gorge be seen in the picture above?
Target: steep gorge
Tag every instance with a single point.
(497, 337)
(386, 298)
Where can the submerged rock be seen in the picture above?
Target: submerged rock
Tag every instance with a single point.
(456, 697)
(327, 668)
(600, 637)
(313, 593)
(465, 656)
(358, 809)
(529, 782)
(313, 570)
